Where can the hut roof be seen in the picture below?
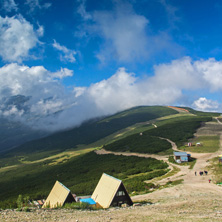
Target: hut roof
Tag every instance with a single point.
(58, 196)
(106, 190)
(180, 154)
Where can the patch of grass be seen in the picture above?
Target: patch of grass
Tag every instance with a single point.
(209, 144)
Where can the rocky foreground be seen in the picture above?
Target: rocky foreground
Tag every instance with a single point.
(170, 204)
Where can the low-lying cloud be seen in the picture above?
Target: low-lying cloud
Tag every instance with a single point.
(37, 97)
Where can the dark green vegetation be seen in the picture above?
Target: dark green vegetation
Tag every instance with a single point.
(88, 132)
(79, 174)
(139, 143)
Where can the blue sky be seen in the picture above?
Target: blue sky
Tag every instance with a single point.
(85, 58)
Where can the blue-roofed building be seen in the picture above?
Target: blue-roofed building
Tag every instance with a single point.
(180, 157)
(88, 200)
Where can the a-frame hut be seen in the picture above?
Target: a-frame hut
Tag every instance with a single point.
(58, 196)
(110, 192)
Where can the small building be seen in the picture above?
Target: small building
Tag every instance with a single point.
(180, 157)
(58, 196)
(89, 201)
(110, 192)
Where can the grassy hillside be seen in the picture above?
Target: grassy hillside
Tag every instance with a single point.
(80, 174)
(89, 132)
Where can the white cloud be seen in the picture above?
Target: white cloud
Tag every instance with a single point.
(9, 5)
(116, 93)
(212, 72)
(205, 104)
(67, 54)
(17, 37)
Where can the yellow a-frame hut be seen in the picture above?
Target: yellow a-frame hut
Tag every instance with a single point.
(58, 196)
(110, 192)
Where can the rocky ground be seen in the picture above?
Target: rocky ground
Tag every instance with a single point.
(196, 205)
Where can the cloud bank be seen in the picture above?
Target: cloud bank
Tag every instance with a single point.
(37, 97)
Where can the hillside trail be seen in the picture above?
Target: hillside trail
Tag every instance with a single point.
(192, 185)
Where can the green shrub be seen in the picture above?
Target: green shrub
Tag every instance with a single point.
(78, 206)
